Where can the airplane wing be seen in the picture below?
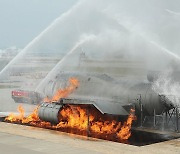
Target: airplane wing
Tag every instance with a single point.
(104, 106)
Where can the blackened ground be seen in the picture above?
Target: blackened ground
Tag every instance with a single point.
(142, 138)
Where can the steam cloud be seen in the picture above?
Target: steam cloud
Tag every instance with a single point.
(142, 31)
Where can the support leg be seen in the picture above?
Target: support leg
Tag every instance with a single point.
(88, 123)
(154, 124)
(177, 119)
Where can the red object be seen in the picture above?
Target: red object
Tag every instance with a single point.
(19, 93)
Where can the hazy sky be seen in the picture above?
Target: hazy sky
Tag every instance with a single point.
(22, 20)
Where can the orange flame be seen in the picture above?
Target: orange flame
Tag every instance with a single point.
(14, 117)
(63, 93)
(125, 132)
(31, 119)
(76, 117)
(21, 116)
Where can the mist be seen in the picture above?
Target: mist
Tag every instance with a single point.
(142, 32)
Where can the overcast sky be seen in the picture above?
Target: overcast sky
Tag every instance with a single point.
(22, 20)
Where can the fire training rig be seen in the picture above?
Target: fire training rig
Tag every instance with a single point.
(140, 96)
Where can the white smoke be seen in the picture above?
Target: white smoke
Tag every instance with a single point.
(165, 85)
(122, 30)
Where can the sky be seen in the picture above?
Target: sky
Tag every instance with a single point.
(22, 20)
(145, 31)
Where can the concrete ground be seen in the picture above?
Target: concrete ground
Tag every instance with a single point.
(18, 139)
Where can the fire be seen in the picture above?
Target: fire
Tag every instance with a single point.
(21, 116)
(75, 117)
(79, 119)
(125, 132)
(106, 127)
(31, 119)
(16, 118)
(63, 93)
